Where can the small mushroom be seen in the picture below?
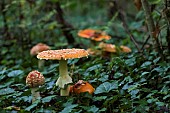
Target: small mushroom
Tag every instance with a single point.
(95, 35)
(108, 47)
(125, 49)
(34, 80)
(39, 48)
(63, 55)
(81, 87)
(93, 52)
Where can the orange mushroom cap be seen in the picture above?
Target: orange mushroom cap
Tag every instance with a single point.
(107, 47)
(62, 54)
(82, 86)
(93, 51)
(38, 48)
(125, 49)
(35, 79)
(95, 35)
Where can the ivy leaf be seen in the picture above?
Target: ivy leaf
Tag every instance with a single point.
(106, 87)
(145, 64)
(69, 108)
(156, 60)
(144, 73)
(47, 99)
(100, 98)
(15, 73)
(6, 91)
(117, 75)
(93, 109)
(33, 105)
(130, 62)
(158, 69)
(93, 67)
(160, 103)
(167, 96)
(134, 92)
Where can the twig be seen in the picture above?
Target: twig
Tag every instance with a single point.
(66, 28)
(145, 43)
(150, 24)
(153, 32)
(122, 17)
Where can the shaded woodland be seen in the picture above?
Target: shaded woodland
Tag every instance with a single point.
(134, 76)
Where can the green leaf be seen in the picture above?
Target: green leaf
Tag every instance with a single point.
(130, 62)
(167, 96)
(6, 91)
(144, 73)
(118, 75)
(158, 69)
(146, 64)
(15, 73)
(6, 84)
(47, 99)
(93, 109)
(93, 67)
(69, 108)
(156, 60)
(106, 87)
(33, 105)
(99, 98)
(160, 103)
(134, 92)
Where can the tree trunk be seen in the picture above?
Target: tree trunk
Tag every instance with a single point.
(66, 28)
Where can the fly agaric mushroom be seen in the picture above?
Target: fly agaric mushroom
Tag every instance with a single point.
(39, 48)
(63, 55)
(95, 35)
(125, 49)
(81, 87)
(34, 80)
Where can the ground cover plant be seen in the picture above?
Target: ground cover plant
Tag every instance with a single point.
(131, 80)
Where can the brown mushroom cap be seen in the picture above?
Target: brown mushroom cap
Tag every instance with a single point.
(62, 54)
(95, 35)
(82, 86)
(125, 49)
(92, 51)
(87, 33)
(38, 48)
(35, 79)
(107, 47)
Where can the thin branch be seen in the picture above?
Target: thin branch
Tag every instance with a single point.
(145, 42)
(153, 31)
(122, 17)
(151, 25)
(66, 27)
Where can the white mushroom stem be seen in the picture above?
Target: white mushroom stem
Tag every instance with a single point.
(41, 64)
(35, 94)
(64, 79)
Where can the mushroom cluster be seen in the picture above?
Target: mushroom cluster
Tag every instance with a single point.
(95, 36)
(113, 48)
(63, 55)
(34, 80)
